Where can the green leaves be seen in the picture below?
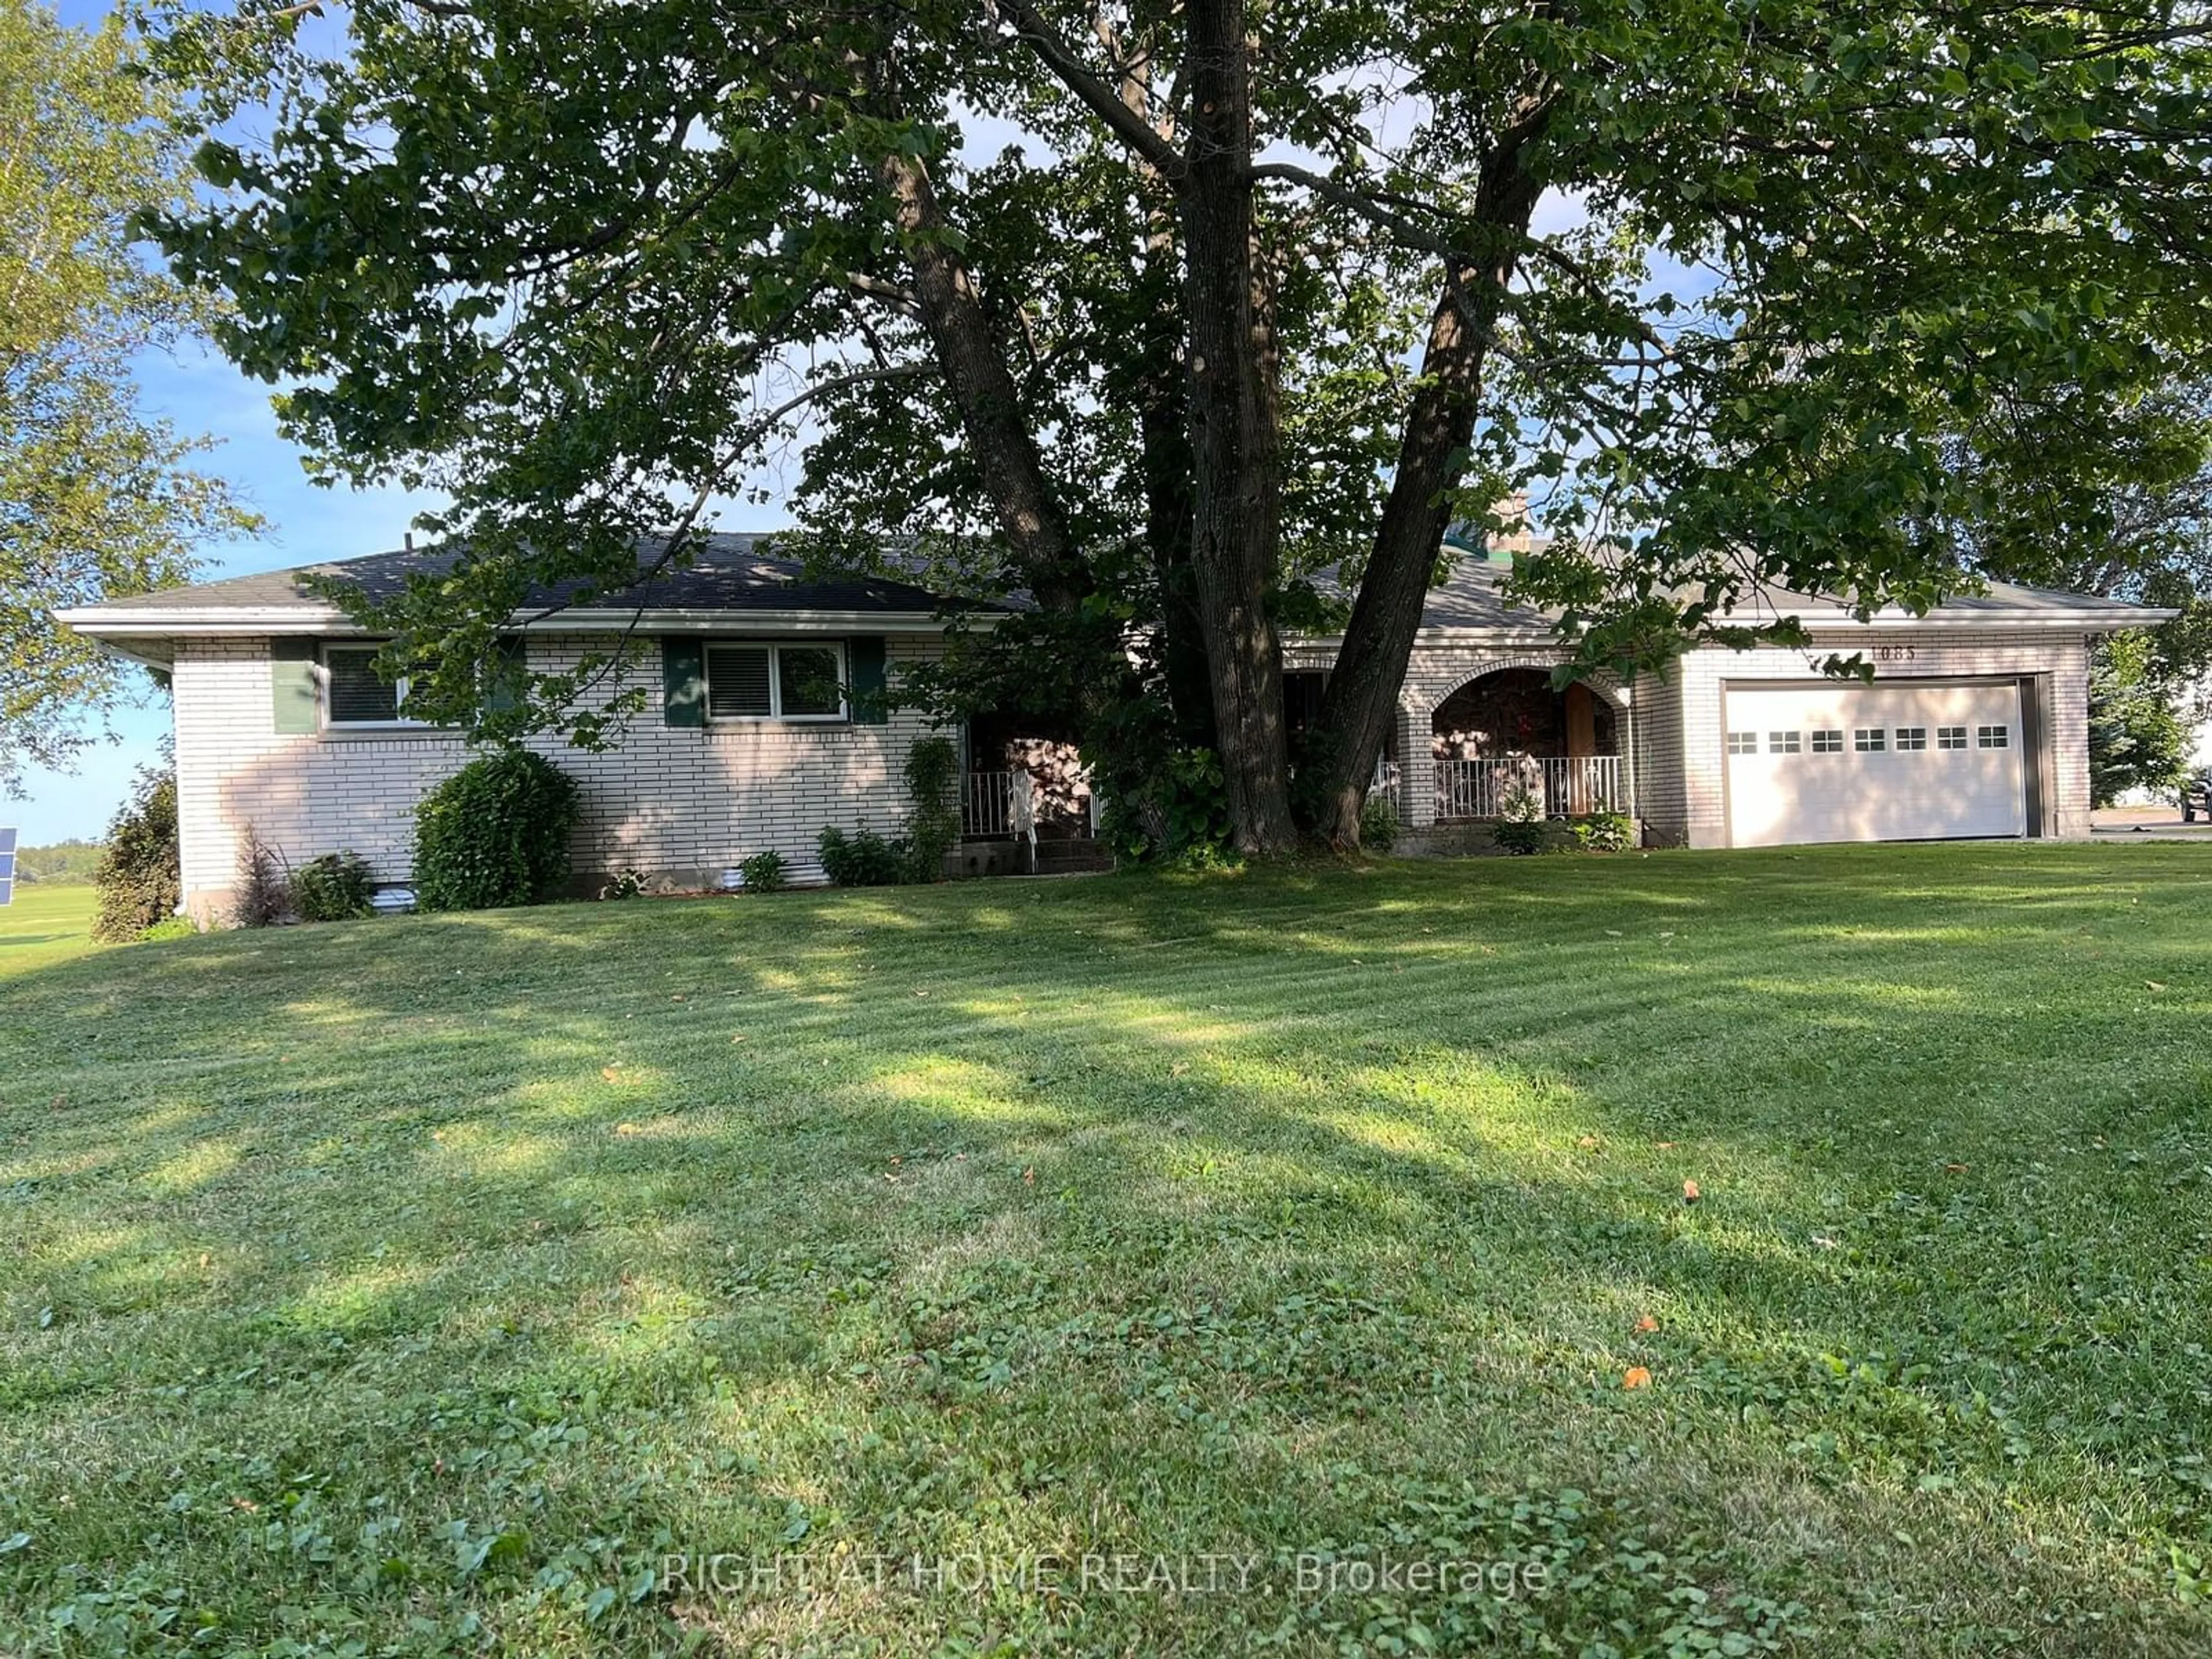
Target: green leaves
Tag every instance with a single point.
(98, 500)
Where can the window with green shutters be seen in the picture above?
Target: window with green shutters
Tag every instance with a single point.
(757, 680)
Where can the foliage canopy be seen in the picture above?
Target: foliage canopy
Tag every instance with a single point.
(1153, 311)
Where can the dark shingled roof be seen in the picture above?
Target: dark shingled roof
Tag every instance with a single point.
(1473, 597)
(724, 574)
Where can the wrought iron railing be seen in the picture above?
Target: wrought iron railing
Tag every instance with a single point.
(1544, 786)
(986, 807)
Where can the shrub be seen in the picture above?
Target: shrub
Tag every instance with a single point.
(495, 833)
(137, 874)
(1379, 823)
(1603, 832)
(167, 927)
(336, 887)
(933, 824)
(863, 858)
(1520, 835)
(763, 872)
(626, 885)
(262, 897)
(1177, 812)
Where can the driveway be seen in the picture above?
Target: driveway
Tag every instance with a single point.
(2149, 823)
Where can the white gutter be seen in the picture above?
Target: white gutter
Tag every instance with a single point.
(2101, 621)
(122, 622)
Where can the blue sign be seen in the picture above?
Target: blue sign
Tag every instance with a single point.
(7, 867)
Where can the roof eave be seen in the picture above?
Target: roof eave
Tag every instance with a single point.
(121, 622)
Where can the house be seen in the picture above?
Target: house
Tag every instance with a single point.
(763, 728)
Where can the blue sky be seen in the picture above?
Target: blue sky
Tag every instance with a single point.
(202, 394)
(205, 393)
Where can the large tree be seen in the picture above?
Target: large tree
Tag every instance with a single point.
(1150, 309)
(97, 500)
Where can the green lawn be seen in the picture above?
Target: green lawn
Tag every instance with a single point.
(44, 925)
(418, 1286)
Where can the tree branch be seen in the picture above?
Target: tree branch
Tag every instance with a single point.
(1093, 89)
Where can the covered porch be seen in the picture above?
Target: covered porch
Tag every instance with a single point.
(1502, 742)
(1507, 744)
(1026, 803)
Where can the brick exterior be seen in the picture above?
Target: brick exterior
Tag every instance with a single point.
(1671, 724)
(2063, 657)
(683, 804)
(679, 803)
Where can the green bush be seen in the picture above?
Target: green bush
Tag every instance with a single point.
(495, 833)
(167, 927)
(1177, 813)
(1603, 832)
(763, 872)
(933, 824)
(138, 875)
(863, 858)
(1379, 823)
(1520, 835)
(336, 887)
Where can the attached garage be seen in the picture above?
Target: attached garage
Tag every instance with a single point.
(1898, 760)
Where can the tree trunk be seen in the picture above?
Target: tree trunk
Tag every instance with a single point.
(1236, 448)
(1156, 385)
(1361, 701)
(1006, 458)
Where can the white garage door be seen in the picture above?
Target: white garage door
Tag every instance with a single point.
(1894, 762)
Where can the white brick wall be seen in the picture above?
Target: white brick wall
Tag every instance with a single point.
(682, 801)
(2063, 657)
(1678, 748)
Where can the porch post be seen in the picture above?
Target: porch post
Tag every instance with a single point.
(1417, 769)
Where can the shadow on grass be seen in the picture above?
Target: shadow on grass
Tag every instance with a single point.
(1132, 1215)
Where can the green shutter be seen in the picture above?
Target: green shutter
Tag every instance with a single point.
(870, 686)
(684, 681)
(506, 673)
(294, 703)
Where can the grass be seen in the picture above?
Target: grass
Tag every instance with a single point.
(421, 1286)
(46, 924)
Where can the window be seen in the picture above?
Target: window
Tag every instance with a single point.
(809, 682)
(775, 682)
(1827, 743)
(1911, 737)
(1868, 740)
(1743, 743)
(1782, 743)
(354, 694)
(1993, 737)
(1950, 736)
